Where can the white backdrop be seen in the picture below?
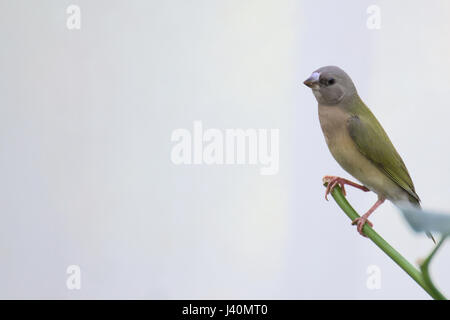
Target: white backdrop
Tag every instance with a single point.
(85, 127)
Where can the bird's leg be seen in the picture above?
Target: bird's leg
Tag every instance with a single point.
(361, 221)
(334, 181)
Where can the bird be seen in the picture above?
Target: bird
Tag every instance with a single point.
(358, 142)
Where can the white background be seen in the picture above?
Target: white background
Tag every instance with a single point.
(85, 123)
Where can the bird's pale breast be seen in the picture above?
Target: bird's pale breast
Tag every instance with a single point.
(333, 121)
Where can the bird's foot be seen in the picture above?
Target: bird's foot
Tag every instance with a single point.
(360, 222)
(333, 181)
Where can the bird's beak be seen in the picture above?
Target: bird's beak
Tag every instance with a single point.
(312, 81)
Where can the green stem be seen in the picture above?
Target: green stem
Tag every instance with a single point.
(424, 267)
(413, 272)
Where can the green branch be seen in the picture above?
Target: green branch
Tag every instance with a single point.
(424, 267)
(413, 272)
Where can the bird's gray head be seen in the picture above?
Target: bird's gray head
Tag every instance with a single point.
(330, 85)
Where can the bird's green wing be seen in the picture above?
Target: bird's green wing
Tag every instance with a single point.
(373, 142)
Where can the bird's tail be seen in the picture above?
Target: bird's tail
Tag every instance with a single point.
(416, 203)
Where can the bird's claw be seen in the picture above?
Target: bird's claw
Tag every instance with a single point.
(360, 222)
(332, 182)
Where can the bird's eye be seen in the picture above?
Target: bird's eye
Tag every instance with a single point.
(331, 81)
